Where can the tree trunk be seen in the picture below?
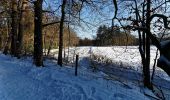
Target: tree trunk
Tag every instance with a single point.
(1, 41)
(21, 28)
(14, 26)
(7, 44)
(147, 80)
(141, 38)
(44, 38)
(60, 62)
(50, 45)
(68, 41)
(38, 42)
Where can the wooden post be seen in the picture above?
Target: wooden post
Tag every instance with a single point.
(77, 58)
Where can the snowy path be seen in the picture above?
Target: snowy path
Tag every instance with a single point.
(20, 80)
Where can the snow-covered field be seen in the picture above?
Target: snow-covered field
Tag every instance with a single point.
(118, 54)
(21, 80)
(121, 56)
(128, 56)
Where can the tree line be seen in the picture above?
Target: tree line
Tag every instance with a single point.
(110, 36)
(114, 36)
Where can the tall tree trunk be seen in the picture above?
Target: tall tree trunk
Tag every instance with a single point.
(7, 44)
(38, 42)
(1, 41)
(14, 26)
(50, 46)
(141, 37)
(44, 44)
(21, 28)
(147, 80)
(68, 41)
(60, 62)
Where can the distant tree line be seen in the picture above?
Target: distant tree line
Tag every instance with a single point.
(86, 42)
(114, 36)
(110, 36)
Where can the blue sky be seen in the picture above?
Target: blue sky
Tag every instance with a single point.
(94, 18)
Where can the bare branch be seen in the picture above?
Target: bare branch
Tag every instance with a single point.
(160, 16)
(116, 8)
(151, 36)
(47, 11)
(56, 22)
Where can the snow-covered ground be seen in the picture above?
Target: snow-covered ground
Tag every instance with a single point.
(118, 54)
(122, 56)
(124, 63)
(21, 80)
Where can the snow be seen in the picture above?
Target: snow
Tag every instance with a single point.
(129, 56)
(150, 93)
(119, 56)
(122, 80)
(21, 80)
(122, 56)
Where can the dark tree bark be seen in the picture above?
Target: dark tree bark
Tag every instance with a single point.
(143, 38)
(147, 80)
(116, 7)
(14, 26)
(144, 43)
(38, 42)
(21, 28)
(60, 62)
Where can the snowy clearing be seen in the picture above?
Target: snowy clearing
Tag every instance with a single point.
(121, 80)
(121, 56)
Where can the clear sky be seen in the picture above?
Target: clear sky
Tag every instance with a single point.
(92, 16)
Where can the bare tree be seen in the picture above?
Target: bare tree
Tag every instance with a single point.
(38, 43)
(147, 80)
(61, 33)
(21, 27)
(142, 23)
(14, 26)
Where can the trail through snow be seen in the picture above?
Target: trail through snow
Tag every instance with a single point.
(20, 80)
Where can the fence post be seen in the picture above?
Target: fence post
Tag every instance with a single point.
(77, 58)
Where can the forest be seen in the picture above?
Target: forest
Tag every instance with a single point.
(124, 42)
